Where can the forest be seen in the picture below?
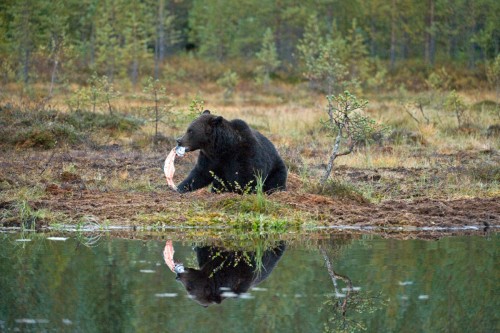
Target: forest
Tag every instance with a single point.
(385, 115)
(93, 95)
(67, 41)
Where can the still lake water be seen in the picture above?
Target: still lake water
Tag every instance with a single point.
(329, 283)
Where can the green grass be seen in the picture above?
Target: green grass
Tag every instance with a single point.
(21, 213)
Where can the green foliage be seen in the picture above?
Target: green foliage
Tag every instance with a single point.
(455, 104)
(268, 58)
(23, 214)
(228, 81)
(253, 201)
(493, 74)
(439, 80)
(107, 91)
(156, 93)
(196, 107)
(322, 58)
(100, 92)
(348, 126)
(332, 62)
(378, 79)
(48, 41)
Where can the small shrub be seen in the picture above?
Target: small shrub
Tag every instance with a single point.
(455, 104)
(157, 94)
(228, 81)
(268, 59)
(348, 126)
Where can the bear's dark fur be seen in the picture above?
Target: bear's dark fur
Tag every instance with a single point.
(224, 273)
(232, 156)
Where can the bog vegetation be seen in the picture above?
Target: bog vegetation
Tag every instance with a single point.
(98, 74)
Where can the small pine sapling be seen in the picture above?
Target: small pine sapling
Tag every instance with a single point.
(268, 59)
(156, 93)
(228, 81)
(347, 126)
(455, 104)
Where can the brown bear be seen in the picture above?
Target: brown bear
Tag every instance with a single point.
(233, 157)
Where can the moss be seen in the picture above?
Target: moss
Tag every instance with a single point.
(46, 129)
(486, 172)
(337, 189)
(84, 121)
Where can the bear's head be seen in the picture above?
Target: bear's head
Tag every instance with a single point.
(200, 287)
(199, 134)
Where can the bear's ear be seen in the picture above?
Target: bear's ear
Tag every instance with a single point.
(216, 120)
(206, 112)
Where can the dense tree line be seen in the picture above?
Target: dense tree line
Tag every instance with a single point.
(42, 40)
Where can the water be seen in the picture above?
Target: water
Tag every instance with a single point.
(307, 284)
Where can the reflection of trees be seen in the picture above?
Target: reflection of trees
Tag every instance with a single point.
(351, 301)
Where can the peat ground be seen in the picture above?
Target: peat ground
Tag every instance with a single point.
(117, 186)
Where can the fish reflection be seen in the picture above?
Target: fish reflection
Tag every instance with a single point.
(223, 273)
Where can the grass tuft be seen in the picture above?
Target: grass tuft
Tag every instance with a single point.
(47, 129)
(338, 189)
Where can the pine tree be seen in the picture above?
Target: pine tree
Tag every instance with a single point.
(268, 58)
(26, 34)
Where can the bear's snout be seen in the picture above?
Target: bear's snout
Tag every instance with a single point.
(179, 141)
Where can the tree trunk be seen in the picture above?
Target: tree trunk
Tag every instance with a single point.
(335, 154)
(58, 42)
(429, 36)
(161, 30)
(135, 57)
(160, 38)
(373, 42)
(26, 64)
(471, 30)
(92, 46)
(393, 36)
(53, 77)
(157, 119)
(157, 60)
(114, 44)
(135, 71)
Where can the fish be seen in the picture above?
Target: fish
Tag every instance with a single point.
(169, 169)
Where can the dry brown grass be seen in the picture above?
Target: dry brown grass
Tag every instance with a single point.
(290, 116)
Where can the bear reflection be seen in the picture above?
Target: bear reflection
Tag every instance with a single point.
(225, 274)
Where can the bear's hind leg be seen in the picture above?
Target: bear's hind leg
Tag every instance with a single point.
(276, 180)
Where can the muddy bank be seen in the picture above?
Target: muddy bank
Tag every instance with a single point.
(126, 208)
(128, 188)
